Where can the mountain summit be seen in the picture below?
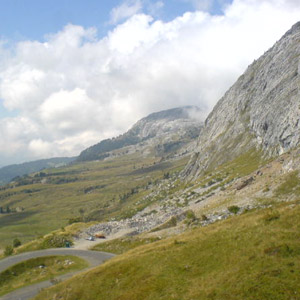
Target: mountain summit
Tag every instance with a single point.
(260, 111)
(165, 131)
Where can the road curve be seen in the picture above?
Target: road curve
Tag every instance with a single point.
(94, 258)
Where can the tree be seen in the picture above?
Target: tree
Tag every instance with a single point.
(9, 250)
(16, 243)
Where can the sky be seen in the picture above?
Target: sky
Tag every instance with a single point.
(74, 72)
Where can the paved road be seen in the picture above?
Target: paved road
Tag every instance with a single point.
(94, 258)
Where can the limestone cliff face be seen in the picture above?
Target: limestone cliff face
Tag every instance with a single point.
(261, 110)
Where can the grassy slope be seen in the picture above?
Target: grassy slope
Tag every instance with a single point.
(49, 206)
(27, 273)
(252, 256)
(124, 244)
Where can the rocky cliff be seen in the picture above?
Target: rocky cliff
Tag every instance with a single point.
(164, 132)
(260, 111)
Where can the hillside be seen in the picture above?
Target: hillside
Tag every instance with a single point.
(10, 172)
(261, 111)
(246, 163)
(223, 224)
(252, 256)
(38, 203)
(165, 133)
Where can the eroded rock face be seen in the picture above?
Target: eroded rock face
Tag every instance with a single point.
(261, 110)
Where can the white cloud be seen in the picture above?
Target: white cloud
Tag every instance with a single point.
(75, 89)
(127, 9)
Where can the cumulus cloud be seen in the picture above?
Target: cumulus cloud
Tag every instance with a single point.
(75, 89)
(125, 10)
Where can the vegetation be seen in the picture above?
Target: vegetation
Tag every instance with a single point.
(58, 239)
(9, 250)
(243, 257)
(170, 223)
(290, 185)
(234, 209)
(16, 243)
(36, 270)
(190, 217)
(48, 200)
(13, 171)
(122, 245)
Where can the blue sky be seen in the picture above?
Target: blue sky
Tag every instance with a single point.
(32, 19)
(74, 72)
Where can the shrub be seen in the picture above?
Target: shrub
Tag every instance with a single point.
(56, 241)
(16, 243)
(204, 218)
(75, 220)
(190, 215)
(9, 250)
(234, 209)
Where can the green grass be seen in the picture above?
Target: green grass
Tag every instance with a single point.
(172, 222)
(122, 245)
(290, 185)
(242, 165)
(250, 256)
(29, 272)
(54, 198)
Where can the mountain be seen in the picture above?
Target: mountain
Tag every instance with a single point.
(238, 214)
(165, 132)
(9, 172)
(156, 147)
(260, 112)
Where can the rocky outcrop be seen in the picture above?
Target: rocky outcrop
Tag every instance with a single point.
(260, 111)
(165, 132)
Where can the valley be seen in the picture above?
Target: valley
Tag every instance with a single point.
(195, 209)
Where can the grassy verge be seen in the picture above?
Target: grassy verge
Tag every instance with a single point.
(36, 270)
(252, 256)
(122, 245)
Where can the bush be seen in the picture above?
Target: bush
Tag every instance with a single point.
(56, 241)
(204, 218)
(9, 250)
(234, 209)
(75, 220)
(190, 217)
(16, 243)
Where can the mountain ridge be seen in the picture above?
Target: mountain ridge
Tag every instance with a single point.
(259, 112)
(159, 125)
(7, 173)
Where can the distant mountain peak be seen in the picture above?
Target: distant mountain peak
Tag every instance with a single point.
(164, 124)
(184, 112)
